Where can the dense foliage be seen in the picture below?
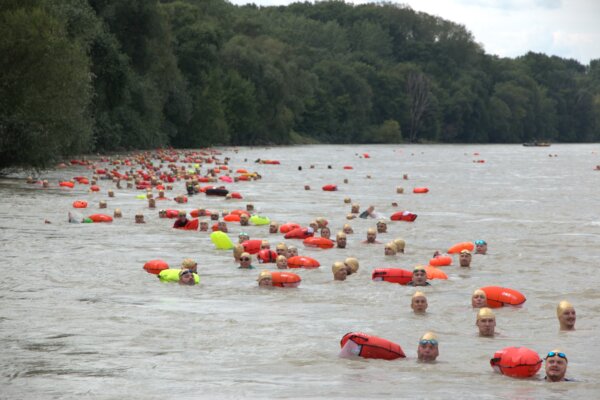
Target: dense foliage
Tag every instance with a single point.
(101, 75)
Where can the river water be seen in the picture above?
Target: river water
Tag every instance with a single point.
(80, 318)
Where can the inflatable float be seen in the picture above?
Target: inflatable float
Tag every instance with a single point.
(499, 296)
(440, 261)
(285, 279)
(392, 275)
(320, 242)
(100, 218)
(155, 266)
(221, 240)
(302, 262)
(367, 346)
(458, 247)
(403, 216)
(516, 362)
(172, 275)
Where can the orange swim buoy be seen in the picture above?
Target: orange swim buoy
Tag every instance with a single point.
(287, 227)
(192, 225)
(458, 247)
(320, 242)
(392, 275)
(66, 184)
(172, 213)
(420, 190)
(348, 167)
(252, 246)
(80, 204)
(231, 218)
(95, 188)
(403, 216)
(516, 362)
(266, 256)
(435, 273)
(100, 218)
(155, 266)
(236, 195)
(298, 233)
(330, 188)
(285, 279)
(240, 212)
(499, 296)
(302, 262)
(440, 261)
(373, 346)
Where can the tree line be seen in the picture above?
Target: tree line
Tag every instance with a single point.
(78, 76)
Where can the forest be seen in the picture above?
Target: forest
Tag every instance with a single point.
(82, 76)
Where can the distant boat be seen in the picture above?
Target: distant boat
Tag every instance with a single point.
(536, 144)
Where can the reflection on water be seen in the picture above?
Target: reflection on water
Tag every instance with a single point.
(78, 309)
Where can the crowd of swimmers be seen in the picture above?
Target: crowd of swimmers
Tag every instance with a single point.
(428, 346)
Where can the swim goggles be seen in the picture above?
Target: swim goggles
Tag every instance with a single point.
(432, 342)
(480, 242)
(187, 271)
(554, 353)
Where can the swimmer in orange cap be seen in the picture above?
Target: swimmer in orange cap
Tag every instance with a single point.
(465, 258)
(556, 366)
(340, 240)
(428, 350)
(479, 299)
(419, 277)
(486, 322)
(566, 316)
(418, 303)
(265, 279)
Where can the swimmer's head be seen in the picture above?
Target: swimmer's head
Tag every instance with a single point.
(485, 313)
(400, 244)
(265, 278)
(562, 307)
(190, 264)
(479, 299)
(339, 271)
(347, 200)
(352, 264)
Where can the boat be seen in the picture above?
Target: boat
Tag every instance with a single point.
(536, 144)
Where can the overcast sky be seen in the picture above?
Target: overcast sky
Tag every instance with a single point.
(510, 28)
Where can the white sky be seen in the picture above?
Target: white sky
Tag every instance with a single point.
(510, 28)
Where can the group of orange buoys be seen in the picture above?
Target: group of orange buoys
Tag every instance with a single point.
(157, 171)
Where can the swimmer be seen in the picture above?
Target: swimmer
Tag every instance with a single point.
(242, 237)
(419, 277)
(151, 203)
(368, 213)
(214, 216)
(325, 232)
(139, 218)
(566, 316)
(244, 220)
(265, 279)
(321, 222)
(352, 265)
(390, 249)
(381, 226)
(556, 366)
(265, 245)
(190, 264)
(486, 322)
(162, 213)
(371, 236)
(238, 249)
(348, 229)
(339, 271)
(418, 303)
(245, 261)
(355, 208)
(181, 220)
(314, 226)
(281, 249)
(250, 207)
(400, 244)
(111, 193)
(186, 277)
(222, 226)
(347, 200)
(350, 216)
(117, 213)
(480, 247)
(340, 240)
(465, 258)
(292, 251)
(281, 262)
(30, 180)
(479, 299)
(428, 349)
(203, 226)
(273, 227)
(102, 204)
